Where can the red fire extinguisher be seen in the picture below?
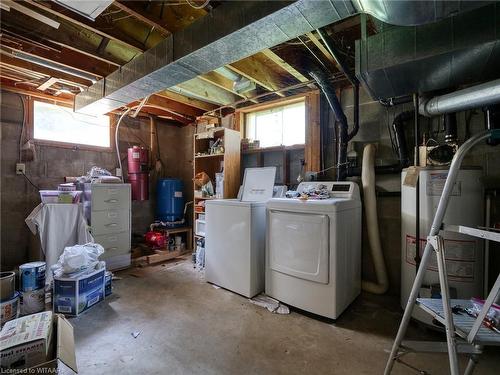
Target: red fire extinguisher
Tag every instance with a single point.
(138, 172)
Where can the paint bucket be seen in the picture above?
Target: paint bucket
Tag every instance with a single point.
(8, 309)
(7, 285)
(32, 302)
(32, 276)
(107, 283)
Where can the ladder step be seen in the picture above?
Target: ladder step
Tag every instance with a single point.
(490, 235)
(463, 323)
(437, 347)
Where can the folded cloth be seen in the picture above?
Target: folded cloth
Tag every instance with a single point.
(59, 225)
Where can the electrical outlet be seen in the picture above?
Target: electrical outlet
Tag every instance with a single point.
(20, 168)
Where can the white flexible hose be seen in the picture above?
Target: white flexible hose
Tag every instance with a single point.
(370, 204)
(116, 140)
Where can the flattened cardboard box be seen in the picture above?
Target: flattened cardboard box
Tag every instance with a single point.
(63, 343)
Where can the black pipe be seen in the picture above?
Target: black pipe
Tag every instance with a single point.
(492, 121)
(450, 128)
(383, 169)
(355, 129)
(391, 102)
(402, 147)
(333, 102)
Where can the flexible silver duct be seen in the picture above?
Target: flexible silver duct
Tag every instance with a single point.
(472, 97)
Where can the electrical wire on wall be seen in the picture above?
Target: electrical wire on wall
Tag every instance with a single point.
(22, 137)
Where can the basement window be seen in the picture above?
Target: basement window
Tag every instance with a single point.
(57, 124)
(278, 126)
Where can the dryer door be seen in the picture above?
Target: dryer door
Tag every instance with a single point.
(299, 245)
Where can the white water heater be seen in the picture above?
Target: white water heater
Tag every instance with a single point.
(464, 254)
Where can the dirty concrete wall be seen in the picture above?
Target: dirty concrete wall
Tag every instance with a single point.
(52, 164)
(375, 121)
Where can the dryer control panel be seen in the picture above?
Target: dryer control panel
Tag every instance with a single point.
(337, 189)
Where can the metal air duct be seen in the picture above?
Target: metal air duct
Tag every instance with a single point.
(477, 96)
(231, 32)
(463, 49)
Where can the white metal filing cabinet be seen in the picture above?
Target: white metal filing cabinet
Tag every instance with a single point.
(111, 222)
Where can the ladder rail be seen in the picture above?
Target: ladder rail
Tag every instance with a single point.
(482, 314)
(436, 226)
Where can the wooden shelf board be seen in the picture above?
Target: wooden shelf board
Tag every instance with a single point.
(208, 156)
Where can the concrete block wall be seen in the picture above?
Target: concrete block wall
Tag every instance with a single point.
(52, 164)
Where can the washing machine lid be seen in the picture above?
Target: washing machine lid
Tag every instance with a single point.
(232, 202)
(313, 205)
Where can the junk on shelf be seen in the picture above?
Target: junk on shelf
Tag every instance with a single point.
(199, 255)
(79, 279)
(36, 343)
(215, 146)
(247, 144)
(203, 185)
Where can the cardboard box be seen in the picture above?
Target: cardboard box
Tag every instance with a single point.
(60, 349)
(26, 342)
(72, 296)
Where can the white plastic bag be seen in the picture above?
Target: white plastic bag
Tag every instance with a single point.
(78, 258)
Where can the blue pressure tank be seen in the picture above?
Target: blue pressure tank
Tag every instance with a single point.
(169, 199)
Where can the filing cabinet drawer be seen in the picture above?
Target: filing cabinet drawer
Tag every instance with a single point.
(115, 243)
(112, 221)
(110, 197)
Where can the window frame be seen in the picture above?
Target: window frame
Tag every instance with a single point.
(281, 104)
(73, 146)
(312, 146)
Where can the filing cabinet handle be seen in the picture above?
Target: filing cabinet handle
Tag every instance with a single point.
(111, 200)
(111, 225)
(111, 248)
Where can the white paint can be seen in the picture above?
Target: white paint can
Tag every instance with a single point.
(33, 301)
(9, 308)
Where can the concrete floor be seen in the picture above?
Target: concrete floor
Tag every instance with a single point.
(189, 327)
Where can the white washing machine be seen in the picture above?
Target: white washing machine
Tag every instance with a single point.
(235, 235)
(313, 249)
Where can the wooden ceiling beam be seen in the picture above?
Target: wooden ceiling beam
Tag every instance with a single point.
(11, 61)
(258, 69)
(284, 65)
(63, 98)
(99, 26)
(219, 80)
(207, 91)
(199, 104)
(175, 106)
(44, 86)
(65, 57)
(147, 18)
(322, 48)
(66, 36)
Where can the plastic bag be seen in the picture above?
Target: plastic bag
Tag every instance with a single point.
(202, 181)
(78, 258)
(493, 313)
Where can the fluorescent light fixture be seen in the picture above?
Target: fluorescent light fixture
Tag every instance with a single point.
(31, 13)
(90, 9)
(53, 65)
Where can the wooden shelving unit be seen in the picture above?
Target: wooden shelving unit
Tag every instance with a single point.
(227, 162)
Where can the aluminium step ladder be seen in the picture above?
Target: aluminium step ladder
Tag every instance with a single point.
(464, 334)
